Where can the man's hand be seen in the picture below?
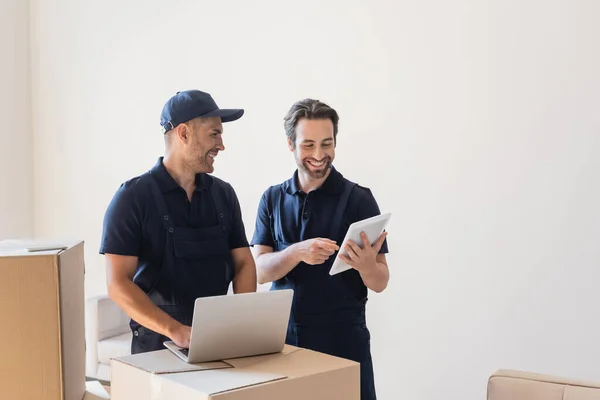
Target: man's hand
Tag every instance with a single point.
(365, 259)
(134, 302)
(181, 335)
(315, 251)
(272, 265)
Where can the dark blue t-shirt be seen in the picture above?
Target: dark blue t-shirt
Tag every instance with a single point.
(307, 216)
(133, 225)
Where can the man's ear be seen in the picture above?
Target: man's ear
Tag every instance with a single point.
(182, 132)
(290, 144)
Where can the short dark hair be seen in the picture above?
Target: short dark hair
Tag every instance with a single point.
(309, 109)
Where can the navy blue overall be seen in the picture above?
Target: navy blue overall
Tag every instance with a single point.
(328, 312)
(196, 263)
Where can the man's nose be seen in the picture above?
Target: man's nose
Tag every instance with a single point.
(318, 154)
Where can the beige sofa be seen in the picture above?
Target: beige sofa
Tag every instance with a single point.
(107, 335)
(518, 385)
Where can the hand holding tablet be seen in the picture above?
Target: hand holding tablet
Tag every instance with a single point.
(372, 227)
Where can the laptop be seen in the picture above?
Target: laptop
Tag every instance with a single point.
(238, 325)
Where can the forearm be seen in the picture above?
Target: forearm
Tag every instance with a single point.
(134, 302)
(244, 280)
(273, 266)
(376, 277)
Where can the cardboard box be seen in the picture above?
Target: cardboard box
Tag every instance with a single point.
(42, 351)
(294, 374)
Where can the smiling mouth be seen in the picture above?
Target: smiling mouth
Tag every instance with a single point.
(316, 164)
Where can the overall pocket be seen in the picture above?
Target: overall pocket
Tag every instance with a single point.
(203, 263)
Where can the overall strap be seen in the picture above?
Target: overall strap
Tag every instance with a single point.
(274, 201)
(160, 202)
(338, 218)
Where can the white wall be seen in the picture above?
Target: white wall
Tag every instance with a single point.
(15, 128)
(475, 123)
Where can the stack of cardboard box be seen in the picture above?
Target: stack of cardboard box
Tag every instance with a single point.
(42, 322)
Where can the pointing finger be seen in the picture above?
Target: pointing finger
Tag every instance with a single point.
(326, 240)
(328, 246)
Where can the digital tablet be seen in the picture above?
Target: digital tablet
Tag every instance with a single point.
(373, 227)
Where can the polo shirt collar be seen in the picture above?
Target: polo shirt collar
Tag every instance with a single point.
(167, 183)
(332, 185)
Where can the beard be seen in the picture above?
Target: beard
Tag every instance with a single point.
(202, 163)
(315, 172)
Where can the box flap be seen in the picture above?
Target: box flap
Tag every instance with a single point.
(72, 313)
(33, 247)
(165, 362)
(219, 381)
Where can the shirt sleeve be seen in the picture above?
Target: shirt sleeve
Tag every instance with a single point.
(237, 235)
(122, 228)
(262, 229)
(367, 207)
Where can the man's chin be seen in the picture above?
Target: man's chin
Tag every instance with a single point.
(205, 169)
(317, 173)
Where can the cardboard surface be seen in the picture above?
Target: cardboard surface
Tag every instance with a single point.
(210, 382)
(72, 314)
(42, 322)
(163, 361)
(292, 374)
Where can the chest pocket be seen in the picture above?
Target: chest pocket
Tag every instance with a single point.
(201, 243)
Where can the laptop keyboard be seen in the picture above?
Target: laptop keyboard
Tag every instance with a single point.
(184, 351)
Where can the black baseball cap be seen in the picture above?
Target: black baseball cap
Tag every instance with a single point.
(190, 104)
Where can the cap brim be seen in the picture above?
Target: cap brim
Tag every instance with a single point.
(227, 115)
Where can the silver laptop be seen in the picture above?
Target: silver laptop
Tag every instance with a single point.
(237, 325)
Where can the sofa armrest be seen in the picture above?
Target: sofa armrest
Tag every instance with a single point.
(521, 385)
(103, 319)
(110, 319)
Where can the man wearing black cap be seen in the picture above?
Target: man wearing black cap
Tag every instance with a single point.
(176, 233)
(300, 225)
